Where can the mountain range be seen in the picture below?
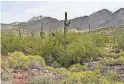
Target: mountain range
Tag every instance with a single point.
(101, 18)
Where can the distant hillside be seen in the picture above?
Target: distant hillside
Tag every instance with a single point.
(100, 18)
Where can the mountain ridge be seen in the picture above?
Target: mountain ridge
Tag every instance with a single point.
(99, 18)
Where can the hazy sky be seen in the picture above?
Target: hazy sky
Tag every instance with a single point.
(20, 11)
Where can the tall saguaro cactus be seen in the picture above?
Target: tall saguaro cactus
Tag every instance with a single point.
(32, 32)
(66, 25)
(89, 27)
(19, 32)
(42, 34)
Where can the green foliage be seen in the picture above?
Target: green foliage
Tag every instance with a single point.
(113, 55)
(112, 75)
(42, 80)
(6, 76)
(19, 60)
(122, 54)
(62, 71)
(72, 53)
(120, 60)
(57, 52)
(55, 64)
(85, 78)
(78, 67)
(111, 61)
(119, 36)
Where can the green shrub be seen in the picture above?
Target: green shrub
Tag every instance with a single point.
(19, 60)
(49, 68)
(6, 76)
(78, 48)
(120, 60)
(84, 78)
(109, 61)
(112, 75)
(42, 80)
(113, 55)
(122, 54)
(78, 67)
(55, 64)
(62, 71)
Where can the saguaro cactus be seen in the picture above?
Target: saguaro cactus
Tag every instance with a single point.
(19, 32)
(66, 25)
(42, 34)
(32, 32)
(89, 27)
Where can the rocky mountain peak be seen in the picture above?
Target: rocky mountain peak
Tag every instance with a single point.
(120, 11)
(35, 18)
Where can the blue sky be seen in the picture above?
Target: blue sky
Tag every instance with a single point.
(12, 11)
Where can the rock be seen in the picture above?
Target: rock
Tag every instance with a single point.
(46, 71)
(35, 72)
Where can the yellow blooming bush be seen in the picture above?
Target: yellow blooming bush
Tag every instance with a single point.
(20, 60)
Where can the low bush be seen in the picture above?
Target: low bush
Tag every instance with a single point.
(42, 80)
(113, 55)
(122, 54)
(85, 78)
(112, 75)
(19, 60)
(5, 76)
(62, 71)
(78, 67)
(120, 60)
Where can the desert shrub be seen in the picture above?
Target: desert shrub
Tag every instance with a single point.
(5, 76)
(112, 75)
(56, 51)
(113, 55)
(19, 60)
(117, 83)
(84, 78)
(49, 68)
(109, 61)
(122, 54)
(55, 64)
(42, 80)
(4, 63)
(78, 67)
(119, 36)
(120, 60)
(62, 71)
